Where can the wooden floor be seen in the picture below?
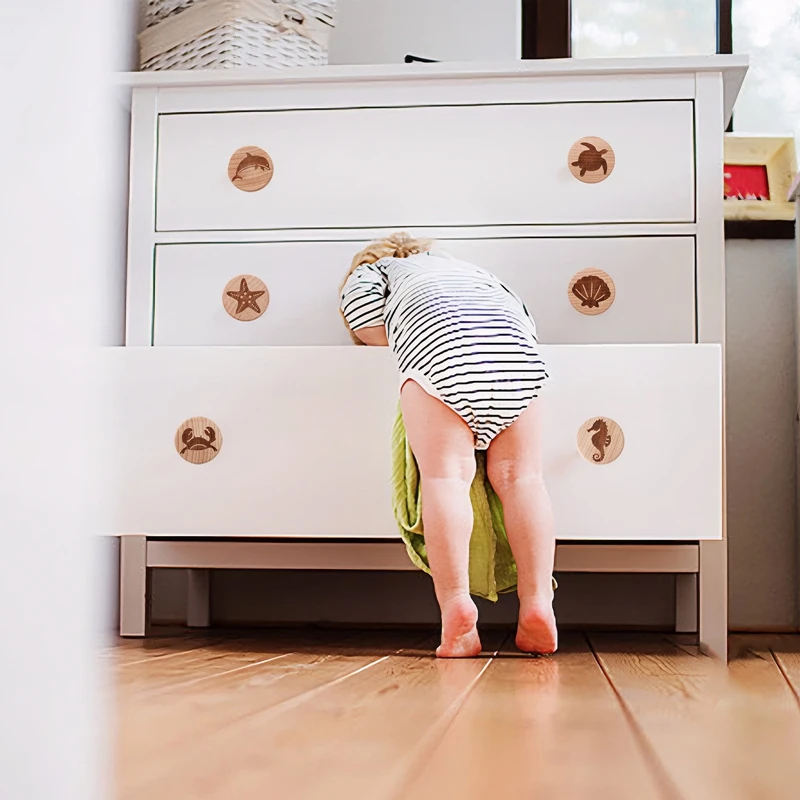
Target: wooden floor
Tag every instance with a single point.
(306, 715)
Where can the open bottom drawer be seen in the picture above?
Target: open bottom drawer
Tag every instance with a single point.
(295, 441)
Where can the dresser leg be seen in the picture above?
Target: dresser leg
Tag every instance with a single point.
(198, 600)
(713, 587)
(134, 587)
(686, 602)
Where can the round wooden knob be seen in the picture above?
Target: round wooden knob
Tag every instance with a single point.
(198, 440)
(591, 160)
(250, 169)
(591, 291)
(600, 440)
(245, 297)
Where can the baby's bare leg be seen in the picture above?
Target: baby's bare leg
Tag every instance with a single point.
(514, 467)
(443, 446)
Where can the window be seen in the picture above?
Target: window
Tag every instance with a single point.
(769, 32)
(614, 28)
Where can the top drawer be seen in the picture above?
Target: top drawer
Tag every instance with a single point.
(427, 166)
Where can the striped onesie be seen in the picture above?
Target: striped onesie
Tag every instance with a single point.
(455, 329)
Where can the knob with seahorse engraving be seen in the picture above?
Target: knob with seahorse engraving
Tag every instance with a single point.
(600, 440)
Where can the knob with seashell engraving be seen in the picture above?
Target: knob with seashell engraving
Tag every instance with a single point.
(591, 291)
(591, 159)
(250, 169)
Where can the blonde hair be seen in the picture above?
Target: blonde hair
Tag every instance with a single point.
(399, 245)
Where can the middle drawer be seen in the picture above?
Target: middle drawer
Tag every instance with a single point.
(610, 290)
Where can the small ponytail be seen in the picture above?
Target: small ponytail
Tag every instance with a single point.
(399, 245)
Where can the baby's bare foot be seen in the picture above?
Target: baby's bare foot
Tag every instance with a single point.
(536, 631)
(459, 632)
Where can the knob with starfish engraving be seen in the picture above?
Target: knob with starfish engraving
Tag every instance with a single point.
(245, 297)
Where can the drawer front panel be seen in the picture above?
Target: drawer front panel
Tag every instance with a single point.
(427, 166)
(302, 441)
(653, 280)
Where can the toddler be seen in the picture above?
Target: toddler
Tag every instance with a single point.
(470, 372)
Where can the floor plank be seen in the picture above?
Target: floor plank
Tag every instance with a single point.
(223, 655)
(352, 737)
(539, 727)
(711, 732)
(786, 652)
(162, 675)
(145, 650)
(162, 637)
(173, 720)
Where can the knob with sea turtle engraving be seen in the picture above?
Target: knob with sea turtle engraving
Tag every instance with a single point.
(591, 159)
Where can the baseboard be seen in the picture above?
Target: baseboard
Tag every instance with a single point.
(234, 627)
(179, 626)
(782, 629)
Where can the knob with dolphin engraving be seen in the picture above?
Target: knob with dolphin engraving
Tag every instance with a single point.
(250, 169)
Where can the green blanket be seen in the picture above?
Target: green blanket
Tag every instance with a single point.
(492, 570)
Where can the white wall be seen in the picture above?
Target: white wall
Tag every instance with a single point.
(52, 243)
(385, 31)
(762, 405)
(61, 269)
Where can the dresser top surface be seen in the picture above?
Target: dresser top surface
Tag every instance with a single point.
(733, 69)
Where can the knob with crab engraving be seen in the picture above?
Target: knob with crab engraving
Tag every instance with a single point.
(198, 440)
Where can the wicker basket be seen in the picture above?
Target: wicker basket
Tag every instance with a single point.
(224, 34)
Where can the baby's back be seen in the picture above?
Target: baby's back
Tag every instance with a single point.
(437, 299)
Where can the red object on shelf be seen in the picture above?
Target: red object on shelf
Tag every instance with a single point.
(746, 182)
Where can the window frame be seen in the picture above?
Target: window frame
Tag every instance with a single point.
(547, 28)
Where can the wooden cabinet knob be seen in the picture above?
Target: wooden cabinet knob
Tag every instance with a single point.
(250, 169)
(198, 440)
(600, 440)
(245, 297)
(591, 291)
(591, 160)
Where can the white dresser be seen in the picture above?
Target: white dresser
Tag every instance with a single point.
(262, 435)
